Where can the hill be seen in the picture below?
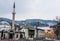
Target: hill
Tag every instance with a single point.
(33, 22)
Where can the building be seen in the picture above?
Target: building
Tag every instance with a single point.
(56, 28)
(14, 31)
(27, 31)
(33, 31)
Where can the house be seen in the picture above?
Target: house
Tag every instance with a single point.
(48, 32)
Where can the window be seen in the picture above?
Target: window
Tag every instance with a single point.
(31, 33)
(17, 36)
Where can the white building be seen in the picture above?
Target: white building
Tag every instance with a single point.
(4, 26)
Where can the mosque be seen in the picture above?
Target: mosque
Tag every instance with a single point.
(8, 32)
(15, 32)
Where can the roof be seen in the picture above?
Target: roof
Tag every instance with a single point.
(4, 31)
(44, 28)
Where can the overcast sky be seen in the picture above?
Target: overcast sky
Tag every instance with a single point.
(30, 9)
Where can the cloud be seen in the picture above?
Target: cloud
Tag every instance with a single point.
(29, 9)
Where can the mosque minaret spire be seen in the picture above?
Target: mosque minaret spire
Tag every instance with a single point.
(13, 17)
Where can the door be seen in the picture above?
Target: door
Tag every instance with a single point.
(21, 36)
(11, 35)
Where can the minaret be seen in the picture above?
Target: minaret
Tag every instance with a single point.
(13, 17)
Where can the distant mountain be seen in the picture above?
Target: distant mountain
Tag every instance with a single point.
(5, 19)
(40, 22)
(33, 22)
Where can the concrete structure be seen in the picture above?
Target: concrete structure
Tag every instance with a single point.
(13, 17)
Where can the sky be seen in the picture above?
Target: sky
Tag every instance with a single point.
(30, 9)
